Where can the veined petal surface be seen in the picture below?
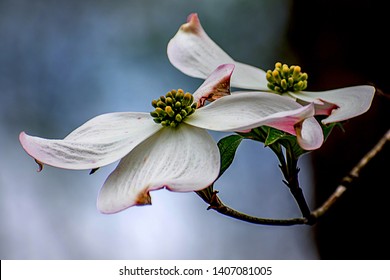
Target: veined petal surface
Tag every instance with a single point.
(194, 53)
(247, 110)
(181, 159)
(351, 101)
(98, 142)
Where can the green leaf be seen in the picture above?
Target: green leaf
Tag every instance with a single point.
(296, 149)
(256, 134)
(327, 129)
(273, 136)
(288, 141)
(227, 148)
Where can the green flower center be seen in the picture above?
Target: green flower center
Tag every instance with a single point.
(173, 108)
(284, 78)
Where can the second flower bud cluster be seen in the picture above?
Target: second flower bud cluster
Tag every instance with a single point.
(284, 78)
(173, 108)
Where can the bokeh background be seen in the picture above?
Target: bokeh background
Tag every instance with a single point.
(345, 46)
(64, 62)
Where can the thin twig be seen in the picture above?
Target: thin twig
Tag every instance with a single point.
(353, 175)
(217, 205)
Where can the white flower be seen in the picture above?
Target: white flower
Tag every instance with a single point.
(193, 52)
(169, 147)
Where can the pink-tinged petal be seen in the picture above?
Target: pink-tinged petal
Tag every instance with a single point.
(215, 86)
(309, 134)
(100, 141)
(181, 159)
(194, 53)
(348, 102)
(325, 108)
(247, 110)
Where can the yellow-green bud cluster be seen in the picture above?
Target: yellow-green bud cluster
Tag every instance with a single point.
(173, 108)
(284, 78)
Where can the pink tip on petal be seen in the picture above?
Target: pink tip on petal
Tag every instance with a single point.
(192, 17)
(192, 24)
(143, 198)
(40, 165)
(26, 146)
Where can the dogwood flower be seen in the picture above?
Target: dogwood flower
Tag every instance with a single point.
(170, 146)
(194, 53)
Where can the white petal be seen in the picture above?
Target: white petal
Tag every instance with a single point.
(249, 77)
(194, 53)
(247, 110)
(351, 101)
(182, 159)
(100, 141)
(309, 134)
(215, 86)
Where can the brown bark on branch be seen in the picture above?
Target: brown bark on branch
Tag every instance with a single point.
(217, 205)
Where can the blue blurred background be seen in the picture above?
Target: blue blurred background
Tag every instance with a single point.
(64, 62)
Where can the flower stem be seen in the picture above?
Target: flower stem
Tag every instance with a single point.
(217, 205)
(309, 218)
(288, 166)
(290, 170)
